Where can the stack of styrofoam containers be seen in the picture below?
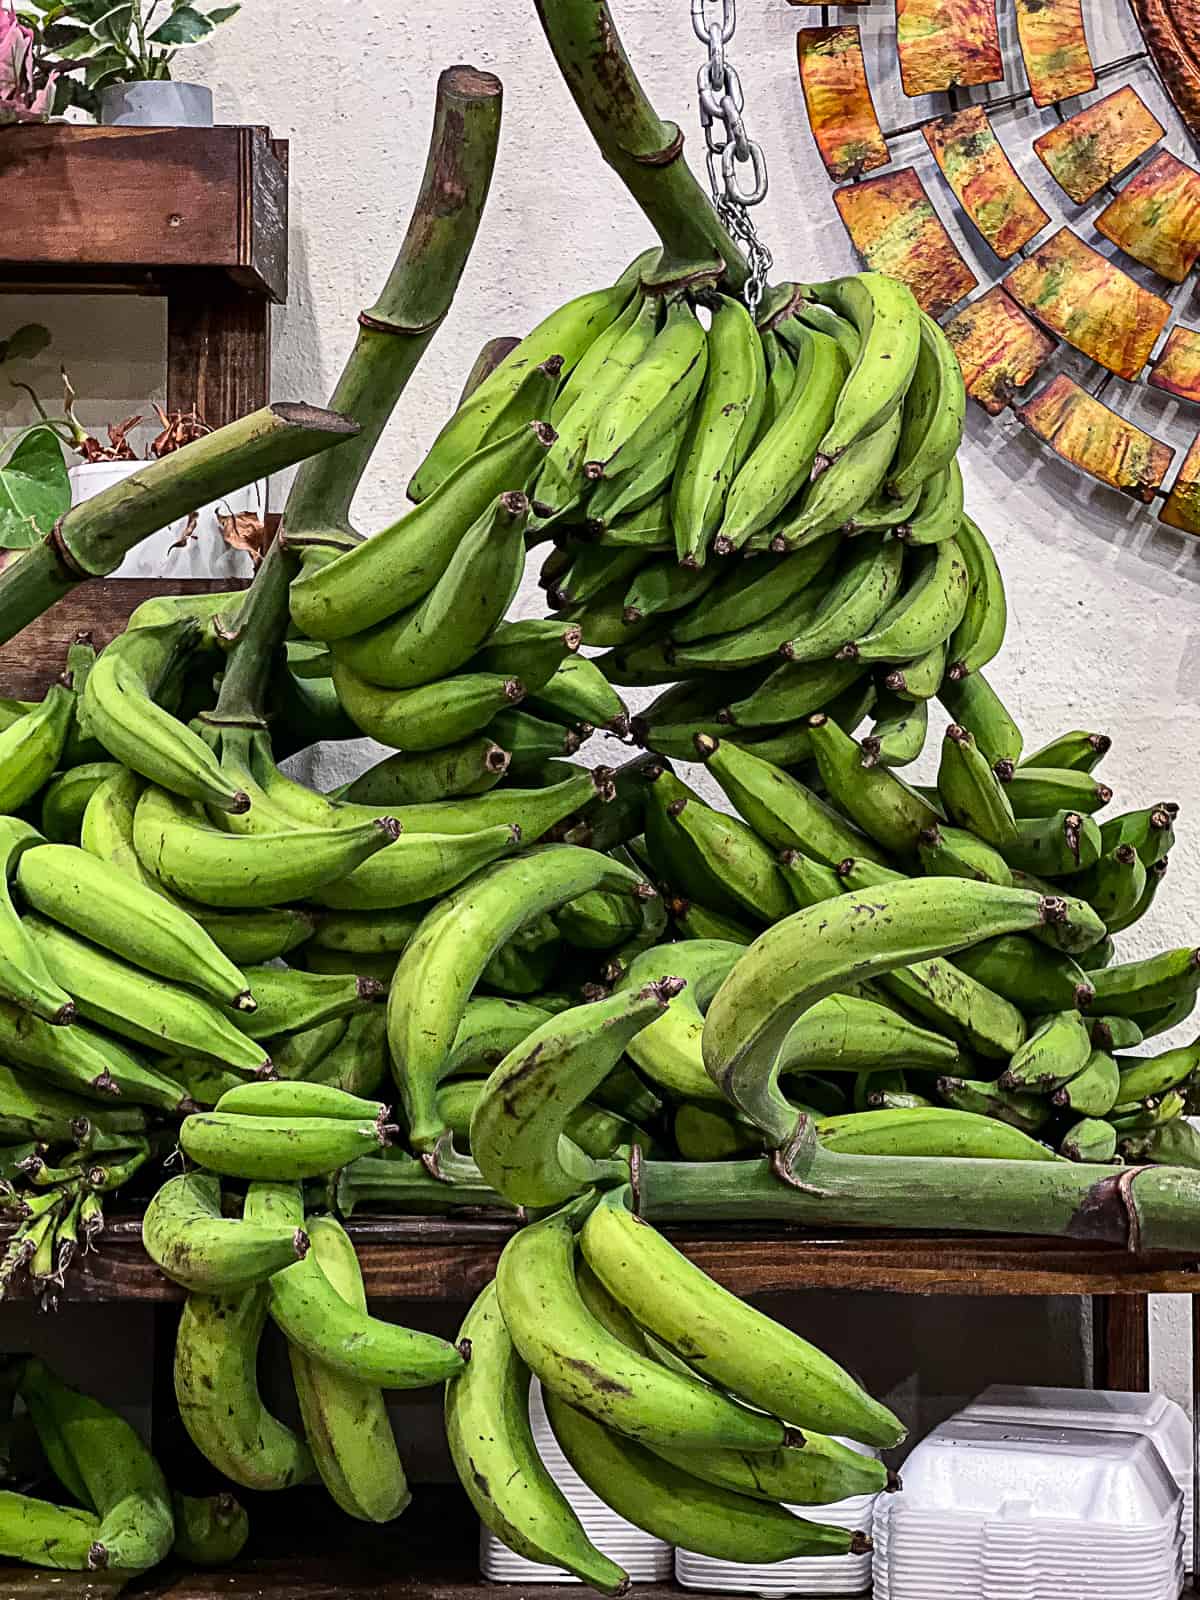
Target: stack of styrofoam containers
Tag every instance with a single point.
(1012, 1511)
(646, 1559)
(803, 1575)
(1162, 1421)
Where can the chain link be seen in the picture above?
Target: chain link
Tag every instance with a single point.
(730, 150)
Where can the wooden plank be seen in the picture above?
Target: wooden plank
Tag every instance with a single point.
(999, 349)
(1083, 298)
(1096, 145)
(841, 113)
(148, 197)
(1156, 217)
(1182, 507)
(450, 1261)
(218, 348)
(1054, 48)
(947, 44)
(31, 662)
(1123, 1343)
(1087, 434)
(973, 162)
(895, 229)
(1177, 369)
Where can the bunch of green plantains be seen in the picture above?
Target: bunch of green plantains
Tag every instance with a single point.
(602, 1004)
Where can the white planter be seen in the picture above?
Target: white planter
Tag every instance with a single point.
(157, 103)
(206, 555)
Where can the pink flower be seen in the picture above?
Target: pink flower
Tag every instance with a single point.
(19, 100)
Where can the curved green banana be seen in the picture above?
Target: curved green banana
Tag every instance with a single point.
(443, 630)
(973, 704)
(497, 1461)
(935, 410)
(880, 803)
(30, 747)
(519, 1136)
(980, 634)
(671, 1503)
(735, 1346)
(330, 1330)
(779, 464)
(140, 1006)
(1037, 980)
(24, 976)
(929, 1131)
(227, 870)
(924, 615)
(276, 1149)
(216, 1390)
(186, 1234)
(382, 575)
(569, 332)
(862, 592)
(112, 909)
(578, 1359)
(210, 1530)
(443, 961)
(939, 510)
(888, 322)
(66, 797)
(790, 968)
(1054, 1052)
(781, 809)
(345, 1420)
(839, 493)
(124, 1483)
(722, 429)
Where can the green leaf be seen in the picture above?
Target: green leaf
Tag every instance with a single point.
(185, 25)
(34, 490)
(26, 342)
(222, 14)
(105, 69)
(113, 27)
(79, 49)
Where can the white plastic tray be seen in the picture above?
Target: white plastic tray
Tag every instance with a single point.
(646, 1559)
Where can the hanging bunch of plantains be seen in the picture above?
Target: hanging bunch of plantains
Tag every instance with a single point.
(848, 1000)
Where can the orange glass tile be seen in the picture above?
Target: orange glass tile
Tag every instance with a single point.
(965, 146)
(841, 113)
(1156, 217)
(1177, 370)
(1080, 295)
(1054, 48)
(1089, 149)
(999, 349)
(1096, 440)
(895, 229)
(947, 44)
(1182, 507)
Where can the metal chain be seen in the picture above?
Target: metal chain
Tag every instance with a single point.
(721, 105)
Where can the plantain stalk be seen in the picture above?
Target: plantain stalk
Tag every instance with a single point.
(93, 539)
(1135, 1208)
(645, 152)
(395, 332)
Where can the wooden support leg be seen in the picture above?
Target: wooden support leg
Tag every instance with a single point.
(1121, 1324)
(218, 348)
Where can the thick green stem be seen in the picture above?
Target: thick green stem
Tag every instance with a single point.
(1137, 1208)
(94, 538)
(262, 624)
(395, 332)
(645, 152)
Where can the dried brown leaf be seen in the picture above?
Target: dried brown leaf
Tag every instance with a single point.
(244, 530)
(189, 531)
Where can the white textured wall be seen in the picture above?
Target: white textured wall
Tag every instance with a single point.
(1104, 604)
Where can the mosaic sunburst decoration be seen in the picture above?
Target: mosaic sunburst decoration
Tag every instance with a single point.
(1029, 168)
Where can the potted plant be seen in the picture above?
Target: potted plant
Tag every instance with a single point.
(115, 60)
(26, 88)
(224, 539)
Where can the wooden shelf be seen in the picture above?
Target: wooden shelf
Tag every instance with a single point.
(427, 1258)
(112, 208)
(302, 1548)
